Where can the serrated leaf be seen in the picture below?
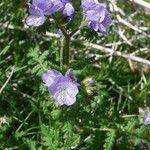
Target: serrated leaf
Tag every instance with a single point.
(109, 141)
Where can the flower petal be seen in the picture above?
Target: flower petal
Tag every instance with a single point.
(97, 16)
(69, 100)
(68, 10)
(34, 10)
(64, 91)
(103, 29)
(36, 2)
(93, 25)
(69, 74)
(35, 21)
(146, 118)
(50, 76)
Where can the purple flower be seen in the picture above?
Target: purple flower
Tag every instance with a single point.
(34, 20)
(50, 76)
(146, 119)
(142, 146)
(68, 11)
(97, 16)
(64, 89)
(41, 8)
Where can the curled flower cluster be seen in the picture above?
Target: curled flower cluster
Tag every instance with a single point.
(97, 16)
(39, 9)
(64, 89)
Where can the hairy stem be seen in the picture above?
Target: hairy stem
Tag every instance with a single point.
(61, 52)
(66, 51)
(60, 26)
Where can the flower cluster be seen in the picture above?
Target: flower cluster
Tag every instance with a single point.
(63, 88)
(97, 16)
(39, 9)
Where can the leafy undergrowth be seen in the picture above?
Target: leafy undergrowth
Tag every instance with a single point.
(106, 113)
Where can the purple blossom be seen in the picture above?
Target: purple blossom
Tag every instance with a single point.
(41, 8)
(97, 16)
(142, 146)
(64, 89)
(68, 11)
(50, 76)
(38, 9)
(146, 119)
(34, 20)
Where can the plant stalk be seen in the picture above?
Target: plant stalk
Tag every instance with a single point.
(66, 51)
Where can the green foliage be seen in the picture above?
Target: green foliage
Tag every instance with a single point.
(110, 140)
(106, 113)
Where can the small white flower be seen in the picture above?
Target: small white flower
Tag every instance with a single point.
(3, 120)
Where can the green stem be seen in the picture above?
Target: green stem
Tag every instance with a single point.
(66, 51)
(129, 116)
(61, 52)
(60, 26)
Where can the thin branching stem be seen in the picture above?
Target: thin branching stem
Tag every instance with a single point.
(12, 71)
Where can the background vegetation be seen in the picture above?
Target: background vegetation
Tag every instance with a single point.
(106, 114)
